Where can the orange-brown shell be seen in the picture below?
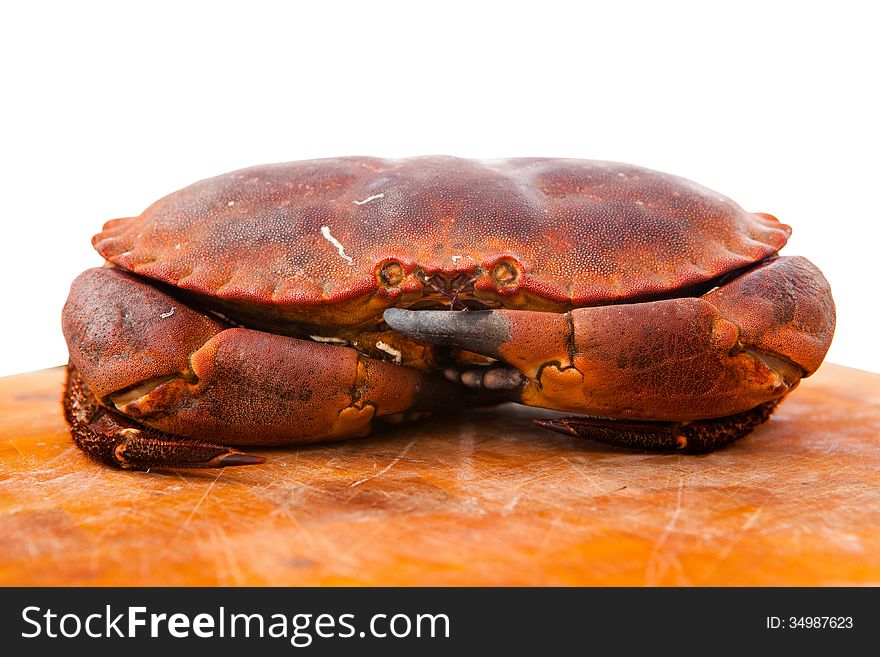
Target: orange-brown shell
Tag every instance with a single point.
(315, 232)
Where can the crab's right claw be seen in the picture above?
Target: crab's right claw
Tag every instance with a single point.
(113, 439)
(155, 383)
(739, 346)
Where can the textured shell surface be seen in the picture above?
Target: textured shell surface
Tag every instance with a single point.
(579, 232)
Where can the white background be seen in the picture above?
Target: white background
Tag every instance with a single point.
(107, 107)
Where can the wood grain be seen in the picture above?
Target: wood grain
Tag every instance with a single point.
(485, 498)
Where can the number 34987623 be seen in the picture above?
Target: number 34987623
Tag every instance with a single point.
(810, 622)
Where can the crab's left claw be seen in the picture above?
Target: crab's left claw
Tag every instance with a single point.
(736, 348)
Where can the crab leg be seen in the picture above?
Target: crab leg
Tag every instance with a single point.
(114, 439)
(694, 437)
(147, 357)
(661, 365)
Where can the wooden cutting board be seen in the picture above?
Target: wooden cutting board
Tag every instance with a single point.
(485, 498)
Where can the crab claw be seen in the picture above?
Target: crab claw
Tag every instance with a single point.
(739, 346)
(481, 331)
(153, 387)
(114, 439)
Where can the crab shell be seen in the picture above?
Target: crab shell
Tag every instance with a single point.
(309, 240)
(323, 248)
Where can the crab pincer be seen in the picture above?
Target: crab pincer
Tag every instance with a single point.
(114, 439)
(170, 389)
(688, 374)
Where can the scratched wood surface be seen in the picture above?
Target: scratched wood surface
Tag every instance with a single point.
(481, 499)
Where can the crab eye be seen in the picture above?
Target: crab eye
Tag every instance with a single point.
(391, 274)
(505, 272)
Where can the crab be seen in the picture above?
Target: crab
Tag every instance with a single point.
(316, 300)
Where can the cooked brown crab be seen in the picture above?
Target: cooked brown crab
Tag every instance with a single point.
(302, 302)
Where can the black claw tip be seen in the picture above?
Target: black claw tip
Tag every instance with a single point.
(393, 316)
(482, 331)
(239, 458)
